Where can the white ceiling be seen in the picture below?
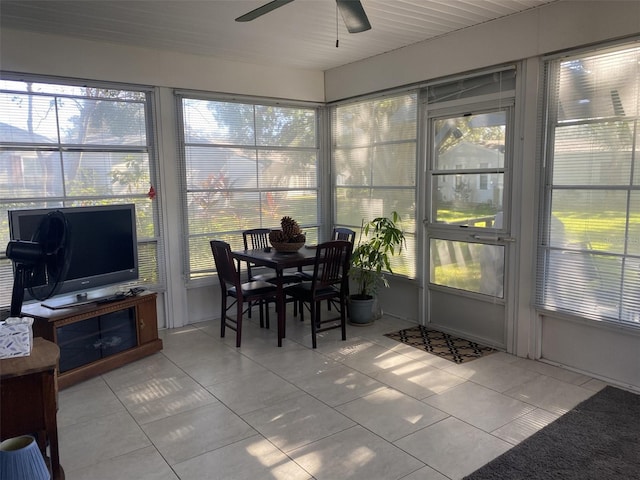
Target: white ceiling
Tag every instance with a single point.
(301, 34)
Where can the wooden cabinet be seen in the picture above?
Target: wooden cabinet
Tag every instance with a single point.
(28, 399)
(96, 338)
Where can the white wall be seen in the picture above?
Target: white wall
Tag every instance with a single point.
(56, 55)
(523, 37)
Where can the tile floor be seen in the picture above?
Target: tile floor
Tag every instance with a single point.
(368, 408)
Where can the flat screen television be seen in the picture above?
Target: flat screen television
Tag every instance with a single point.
(103, 244)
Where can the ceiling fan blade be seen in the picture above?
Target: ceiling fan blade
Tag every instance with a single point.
(353, 15)
(266, 8)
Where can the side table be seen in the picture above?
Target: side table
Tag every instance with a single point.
(29, 399)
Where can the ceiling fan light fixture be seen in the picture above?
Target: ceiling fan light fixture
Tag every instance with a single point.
(353, 15)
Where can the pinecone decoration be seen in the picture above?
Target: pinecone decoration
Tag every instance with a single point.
(290, 233)
(276, 236)
(290, 228)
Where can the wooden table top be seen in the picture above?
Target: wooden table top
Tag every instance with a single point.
(44, 356)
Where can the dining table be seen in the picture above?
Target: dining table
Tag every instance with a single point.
(279, 262)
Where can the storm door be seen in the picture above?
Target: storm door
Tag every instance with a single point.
(467, 230)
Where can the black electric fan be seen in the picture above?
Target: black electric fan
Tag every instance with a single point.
(352, 12)
(40, 264)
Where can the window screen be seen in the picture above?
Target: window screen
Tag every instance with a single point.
(589, 248)
(246, 165)
(77, 144)
(374, 151)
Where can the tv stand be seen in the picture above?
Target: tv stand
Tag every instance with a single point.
(95, 338)
(58, 304)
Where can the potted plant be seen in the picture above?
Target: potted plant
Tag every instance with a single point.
(379, 239)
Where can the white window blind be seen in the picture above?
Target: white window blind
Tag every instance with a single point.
(374, 168)
(589, 248)
(246, 165)
(75, 144)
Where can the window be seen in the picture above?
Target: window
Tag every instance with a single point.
(374, 166)
(246, 165)
(589, 248)
(73, 144)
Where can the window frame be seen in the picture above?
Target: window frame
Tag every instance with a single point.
(584, 255)
(410, 251)
(153, 244)
(233, 235)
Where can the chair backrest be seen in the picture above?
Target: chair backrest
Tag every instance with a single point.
(255, 238)
(341, 233)
(225, 265)
(332, 263)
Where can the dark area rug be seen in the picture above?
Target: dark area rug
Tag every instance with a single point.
(598, 440)
(452, 348)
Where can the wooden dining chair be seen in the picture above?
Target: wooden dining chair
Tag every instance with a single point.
(258, 239)
(342, 233)
(244, 295)
(338, 233)
(329, 282)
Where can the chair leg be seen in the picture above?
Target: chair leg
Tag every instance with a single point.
(238, 324)
(313, 325)
(261, 305)
(343, 318)
(223, 315)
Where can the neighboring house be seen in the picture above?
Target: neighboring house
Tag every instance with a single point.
(464, 156)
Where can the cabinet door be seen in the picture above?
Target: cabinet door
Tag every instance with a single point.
(117, 331)
(79, 343)
(147, 320)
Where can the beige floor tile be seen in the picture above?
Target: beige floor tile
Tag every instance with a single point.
(87, 443)
(356, 454)
(296, 363)
(418, 379)
(216, 368)
(338, 385)
(253, 392)
(297, 421)
(391, 414)
(250, 459)
(143, 464)
(553, 395)
(161, 397)
(133, 374)
(425, 473)
(453, 447)
(192, 433)
(521, 428)
(479, 406)
(494, 372)
(87, 401)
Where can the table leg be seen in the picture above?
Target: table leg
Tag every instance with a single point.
(282, 314)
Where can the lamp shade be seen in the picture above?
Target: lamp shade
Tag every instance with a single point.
(20, 459)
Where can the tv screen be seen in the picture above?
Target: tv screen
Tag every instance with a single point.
(103, 244)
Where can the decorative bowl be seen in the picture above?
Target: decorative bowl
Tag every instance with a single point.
(285, 247)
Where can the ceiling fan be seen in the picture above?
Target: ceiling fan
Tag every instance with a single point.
(352, 12)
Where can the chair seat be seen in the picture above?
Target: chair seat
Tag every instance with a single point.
(273, 279)
(305, 274)
(304, 290)
(254, 288)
